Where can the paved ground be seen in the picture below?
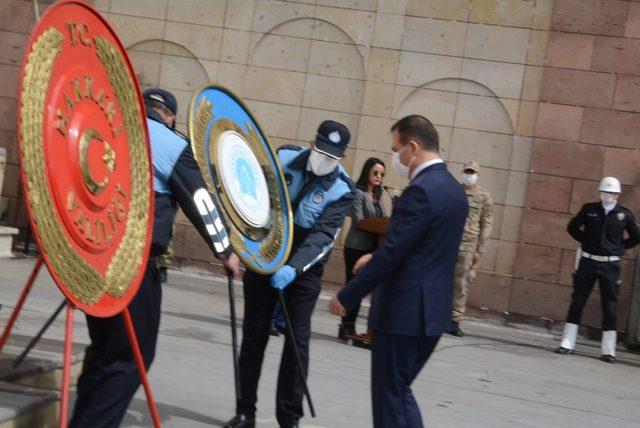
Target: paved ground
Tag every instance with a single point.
(496, 376)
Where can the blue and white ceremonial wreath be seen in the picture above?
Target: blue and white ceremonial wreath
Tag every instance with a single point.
(242, 170)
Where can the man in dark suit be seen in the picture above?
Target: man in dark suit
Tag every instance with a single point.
(413, 271)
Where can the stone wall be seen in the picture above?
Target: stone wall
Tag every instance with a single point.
(587, 127)
(476, 68)
(473, 67)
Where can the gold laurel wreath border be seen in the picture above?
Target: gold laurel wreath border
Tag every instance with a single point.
(130, 252)
(79, 277)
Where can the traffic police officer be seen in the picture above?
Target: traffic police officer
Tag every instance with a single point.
(321, 195)
(600, 228)
(109, 376)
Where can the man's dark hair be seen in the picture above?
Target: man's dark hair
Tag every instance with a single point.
(420, 129)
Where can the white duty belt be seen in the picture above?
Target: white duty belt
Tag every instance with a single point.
(600, 258)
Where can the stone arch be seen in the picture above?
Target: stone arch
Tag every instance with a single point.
(303, 71)
(309, 29)
(473, 123)
(460, 108)
(466, 87)
(169, 65)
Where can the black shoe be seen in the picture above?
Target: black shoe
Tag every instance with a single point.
(295, 425)
(281, 328)
(608, 359)
(362, 344)
(241, 421)
(345, 330)
(563, 351)
(455, 331)
(162, 273)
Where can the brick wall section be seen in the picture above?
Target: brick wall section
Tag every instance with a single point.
(588, 126)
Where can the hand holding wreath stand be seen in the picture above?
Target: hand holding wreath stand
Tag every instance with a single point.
(66, 365)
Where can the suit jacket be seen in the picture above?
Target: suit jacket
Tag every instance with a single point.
(362, 208)
(414, 268)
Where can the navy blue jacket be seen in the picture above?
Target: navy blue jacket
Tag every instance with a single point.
(414, 268)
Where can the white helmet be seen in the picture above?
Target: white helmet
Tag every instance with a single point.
(610, 185)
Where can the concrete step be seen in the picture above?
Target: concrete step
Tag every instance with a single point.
(30, 394)
(43, 366)
(22, 407)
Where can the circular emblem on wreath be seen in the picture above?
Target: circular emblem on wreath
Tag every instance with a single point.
(242, 175)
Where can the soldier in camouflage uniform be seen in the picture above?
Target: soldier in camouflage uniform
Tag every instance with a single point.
(474, 240)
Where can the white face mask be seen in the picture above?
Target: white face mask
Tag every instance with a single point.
(469, 179)
(398, 166)
(322, 164)
(607, 199)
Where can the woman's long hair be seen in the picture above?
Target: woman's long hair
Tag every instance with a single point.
(363, 181)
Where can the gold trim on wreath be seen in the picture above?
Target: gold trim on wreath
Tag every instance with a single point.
(79, 277)
(272, 235)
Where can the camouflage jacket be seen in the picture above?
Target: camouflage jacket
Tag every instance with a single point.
(479, 220)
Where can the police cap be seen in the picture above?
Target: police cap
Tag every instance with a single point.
(162, 96)
(332, 138)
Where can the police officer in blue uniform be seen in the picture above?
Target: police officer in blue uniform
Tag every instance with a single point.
(109, 376)
(321, 195)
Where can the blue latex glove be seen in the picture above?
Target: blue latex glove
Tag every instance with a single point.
(283, 277)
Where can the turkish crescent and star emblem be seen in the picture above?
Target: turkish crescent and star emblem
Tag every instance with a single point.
(85, 158)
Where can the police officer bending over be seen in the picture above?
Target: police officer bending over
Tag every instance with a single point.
(109, 376)
(321, 195)
(600, 228)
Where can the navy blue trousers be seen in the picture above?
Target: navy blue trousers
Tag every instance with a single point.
(110, 376)
(259, 302)
(395, 363)
(608, 276)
